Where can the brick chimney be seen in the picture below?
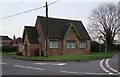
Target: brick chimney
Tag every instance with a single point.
(14, 40)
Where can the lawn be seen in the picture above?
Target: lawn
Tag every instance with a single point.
(72, 57)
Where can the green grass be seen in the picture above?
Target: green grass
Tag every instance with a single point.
(7, 53)
(72, 57)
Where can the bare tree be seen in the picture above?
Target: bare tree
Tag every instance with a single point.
(104, 21)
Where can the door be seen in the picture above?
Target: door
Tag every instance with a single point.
(26, 49)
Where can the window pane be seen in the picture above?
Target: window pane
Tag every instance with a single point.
(83, 44)
(53, 44)
(71, 44)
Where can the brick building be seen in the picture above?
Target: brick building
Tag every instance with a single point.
(62, 36)
(5, 40)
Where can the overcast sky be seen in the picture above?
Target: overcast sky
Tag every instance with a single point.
(67, 9)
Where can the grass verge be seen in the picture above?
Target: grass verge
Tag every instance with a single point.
(72, 57)
(7, 53)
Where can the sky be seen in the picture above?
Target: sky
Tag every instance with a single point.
(65, 9)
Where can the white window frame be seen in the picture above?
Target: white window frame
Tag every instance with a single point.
(71, 44)
(23, 46)
(53, 44)
(83, 44)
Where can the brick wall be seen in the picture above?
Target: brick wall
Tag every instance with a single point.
(24, 44)
(73, 36)
(62, 49)
(33, 50)
(56, 51)
(20, 47)
(41, 35)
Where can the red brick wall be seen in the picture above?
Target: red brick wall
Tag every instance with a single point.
(63, 45)
(41, 35)
(73, 36)
(33, 50)
(24, 43)
(20, 47)
(56, 51)
(25, 39)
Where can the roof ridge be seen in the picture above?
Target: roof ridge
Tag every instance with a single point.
(57, 27)
(30, 26)
(31, 34)
(71, 24)
(60, 18)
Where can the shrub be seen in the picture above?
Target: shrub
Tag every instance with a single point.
(9, 48)
(116, 47)
(95, 47)
(19, 53)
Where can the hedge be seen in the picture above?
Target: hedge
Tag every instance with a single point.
(95, 47)
(9, 48)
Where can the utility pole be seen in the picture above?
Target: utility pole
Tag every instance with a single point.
(47, 30)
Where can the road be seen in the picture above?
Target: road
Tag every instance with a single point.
(12, 66)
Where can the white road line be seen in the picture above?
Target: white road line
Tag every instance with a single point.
(35, 68)
(87, 73)
(107, 64)
(60, 64)
(19, 66)
(103, 68)
(3, 63)
(69, 72)
(28, 67)
(90, 73)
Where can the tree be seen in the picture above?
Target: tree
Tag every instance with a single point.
(104, 21)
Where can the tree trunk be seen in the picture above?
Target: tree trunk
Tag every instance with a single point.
(109, 39)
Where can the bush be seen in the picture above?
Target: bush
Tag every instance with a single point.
(116, 47)
(9, 48)
(95, 47)
(19, 53)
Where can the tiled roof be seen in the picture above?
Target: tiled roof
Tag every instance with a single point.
(19, 40)
(32, 34)
(57, 28)
(5, 38)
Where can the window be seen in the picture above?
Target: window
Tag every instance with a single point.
(53, 44)
(83, 44)
(23, 46)
(71, 44)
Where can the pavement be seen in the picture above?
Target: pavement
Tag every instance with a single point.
(107, 66)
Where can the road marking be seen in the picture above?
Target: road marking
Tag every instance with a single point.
(28, 67)
(3, 63)
(107, 64)
(35, 68)
(69, 72)
(103, 68)
(60, 64)
(87, 73)
(90, 73)
(19, 66)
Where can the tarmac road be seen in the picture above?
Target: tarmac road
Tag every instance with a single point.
(12, 66)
